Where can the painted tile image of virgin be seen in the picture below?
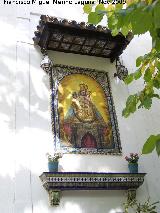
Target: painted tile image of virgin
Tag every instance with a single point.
(84, 120)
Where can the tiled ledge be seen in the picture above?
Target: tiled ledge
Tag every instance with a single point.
(55, 182)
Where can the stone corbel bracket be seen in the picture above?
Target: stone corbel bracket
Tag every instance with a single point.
(55, 182)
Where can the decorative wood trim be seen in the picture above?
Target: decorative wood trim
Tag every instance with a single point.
(79, 38)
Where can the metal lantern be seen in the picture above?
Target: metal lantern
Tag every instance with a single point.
(122, 71)
(46, 63)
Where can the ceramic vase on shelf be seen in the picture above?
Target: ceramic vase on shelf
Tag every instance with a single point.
(53, 166)
(53, 161)
(133, 167)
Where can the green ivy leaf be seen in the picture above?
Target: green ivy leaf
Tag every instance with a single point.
(157, 15)
(158, 147)
(122, 19)
(149, 90)
(119, 6)
(156, 42)
(129, 79)
(147, 103)
(141, 21)
(157, 64)
(115, 32)
(137, 74)
(149, 144)
(125, 30)
(131, 104)
(131, 99)
(87, 8)
(147, 75)
(125, 113)
(95, 18)
(100, 7)
(139, 61)
(112, 21)
(156, 83)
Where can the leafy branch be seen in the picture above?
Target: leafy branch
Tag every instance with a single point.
(138, 17)
(140, 207)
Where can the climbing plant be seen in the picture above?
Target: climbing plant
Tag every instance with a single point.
(138, 17)
(138, 207)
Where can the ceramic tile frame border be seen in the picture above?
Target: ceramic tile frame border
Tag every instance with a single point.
(56, 74)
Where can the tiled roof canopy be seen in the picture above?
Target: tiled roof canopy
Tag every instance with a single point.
(79, 38)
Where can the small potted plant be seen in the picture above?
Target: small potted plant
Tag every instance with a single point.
(132, 162)
(53, 161)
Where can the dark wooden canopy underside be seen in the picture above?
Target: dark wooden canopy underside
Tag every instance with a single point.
(79, 38)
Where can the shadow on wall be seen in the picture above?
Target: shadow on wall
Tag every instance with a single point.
(19, 100)
(21, 196)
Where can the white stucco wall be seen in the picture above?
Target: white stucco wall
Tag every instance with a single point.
(25, 126)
